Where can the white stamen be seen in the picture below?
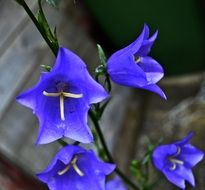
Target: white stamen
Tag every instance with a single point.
(177, 153)
(75, 167)
(73, 162)
(52, 94)
(173, 167)
(175, 162)
(61, 172)
(62, 107)
(71, 95)
(62, 95)
(79, 172)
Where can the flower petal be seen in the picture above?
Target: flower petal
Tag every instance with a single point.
(125, 71)
(175, 179)
(161, 153)
(115, 184)
(147, 45)
(153, 70)
(156, 89)
(69, 65)
(136, 45)
(74, 126)
(188, 151)
(186, 174)
(185, 140)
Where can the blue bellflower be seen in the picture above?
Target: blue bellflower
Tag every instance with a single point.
(74, 168)
(115, 184)
(176, 160)
(61, 99)
(131, 66)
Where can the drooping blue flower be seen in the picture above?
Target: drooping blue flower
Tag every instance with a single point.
(115, 184)
(131, 66)
(176, 160)
(74, 168)
(61, 99)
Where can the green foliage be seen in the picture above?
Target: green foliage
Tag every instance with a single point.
(141, 168)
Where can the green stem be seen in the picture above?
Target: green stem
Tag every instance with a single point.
(100, 134)
(35, 21)
(110, 159)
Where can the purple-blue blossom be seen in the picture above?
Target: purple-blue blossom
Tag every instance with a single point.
(131, 66)
(115, 184)
(61, 99)
(176, 160)
(75, 168)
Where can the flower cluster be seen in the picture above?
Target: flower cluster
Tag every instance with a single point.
(61, 100)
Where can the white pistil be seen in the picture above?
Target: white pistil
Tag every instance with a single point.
(62, 95)
(75, 167)
(62, 107)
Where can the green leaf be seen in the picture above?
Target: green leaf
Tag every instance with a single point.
(101, 54)
(53, 3)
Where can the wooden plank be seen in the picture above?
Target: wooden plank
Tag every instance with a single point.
(12, 22)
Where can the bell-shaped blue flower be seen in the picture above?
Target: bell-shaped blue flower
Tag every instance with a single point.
(176, 160)
(61, 99)
(74, 168)
(131, 66)
(115, 184)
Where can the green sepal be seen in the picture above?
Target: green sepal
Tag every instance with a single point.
(101, 54)
(46, 67)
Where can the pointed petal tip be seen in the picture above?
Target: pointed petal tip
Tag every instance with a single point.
(146, 27)
(163, 96)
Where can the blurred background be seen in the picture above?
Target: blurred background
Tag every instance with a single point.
(133, 116)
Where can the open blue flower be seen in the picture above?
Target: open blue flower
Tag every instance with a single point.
(74, 168)
(131, 66)
(176, 160)
(115, 184)
(61, 99)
